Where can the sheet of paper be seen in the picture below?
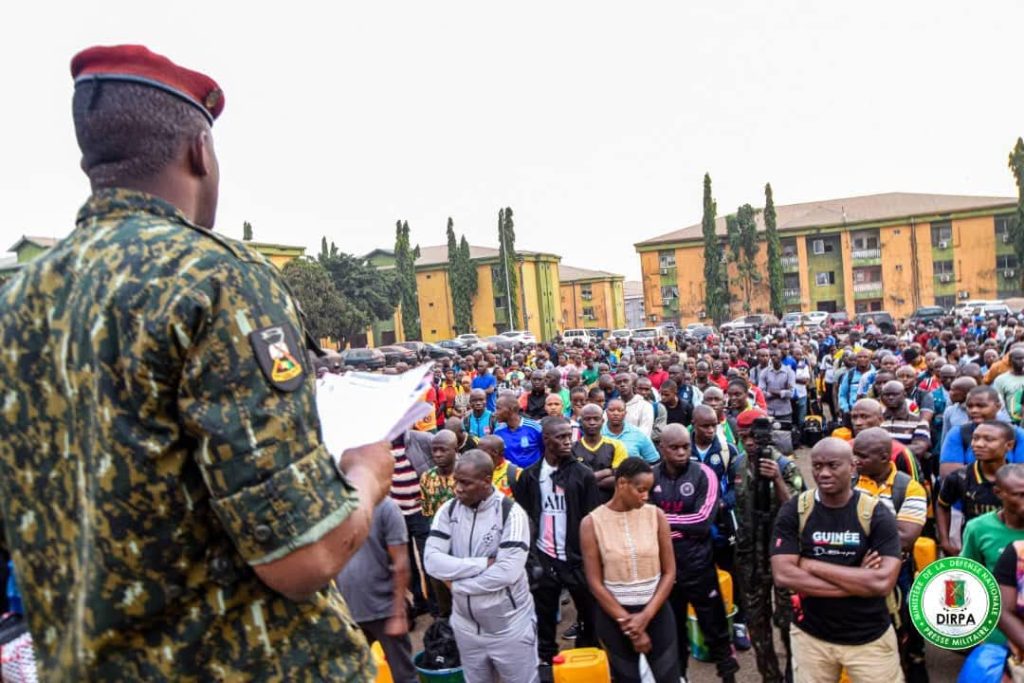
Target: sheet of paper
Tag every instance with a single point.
(360, 408)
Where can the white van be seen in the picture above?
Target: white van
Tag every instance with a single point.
(576, 338)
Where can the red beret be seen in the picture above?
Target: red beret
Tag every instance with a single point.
(136, 64)
(747, 417)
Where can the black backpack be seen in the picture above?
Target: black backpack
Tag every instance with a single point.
(439, 648)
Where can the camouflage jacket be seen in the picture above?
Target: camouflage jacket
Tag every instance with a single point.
(158, 438)
(746, 540)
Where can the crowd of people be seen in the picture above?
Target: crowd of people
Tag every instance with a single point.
(171, 512)
(640, 475)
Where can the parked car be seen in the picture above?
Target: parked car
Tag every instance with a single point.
(622, 335)
(437, 352)
(418, 347)
(698, 332)
(501, 342)
(521, 337)
(882, 320)
(969, 308)
(927, 314)
(791, 320)
(750, 322)
(469, 339)
(394, 355)
(838, 321)
(815, 318)
(645, 334)
(364, 359)
(994, 309)
(576, 338)
(456, 346)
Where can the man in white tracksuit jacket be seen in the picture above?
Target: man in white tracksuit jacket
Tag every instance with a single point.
(479, 542)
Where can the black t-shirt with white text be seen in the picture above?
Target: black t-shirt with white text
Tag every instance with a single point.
(835, 535)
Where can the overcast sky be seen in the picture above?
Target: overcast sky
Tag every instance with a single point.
(594, 121)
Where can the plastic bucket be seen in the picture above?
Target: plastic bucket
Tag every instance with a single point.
(437, 675)
(698, 648)
(383, 670)
(582, 665)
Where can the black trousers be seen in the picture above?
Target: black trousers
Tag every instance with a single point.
(547, 597)
(418, 528)
(625, 661)
(758, 591)
(699, 587)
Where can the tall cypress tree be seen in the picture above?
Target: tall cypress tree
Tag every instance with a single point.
(714, 296)
(456, 282)
(469, 279)
(749, 246)
(776, 282)
(405, 269)
(1016, 163)
(507, 265)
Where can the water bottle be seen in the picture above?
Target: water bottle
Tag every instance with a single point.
(13, 596)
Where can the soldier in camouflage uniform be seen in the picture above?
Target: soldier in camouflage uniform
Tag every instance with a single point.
(752, 561)
(171, 510)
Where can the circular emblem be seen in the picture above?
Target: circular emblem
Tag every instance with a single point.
(955, 603)
(715, 460)
(686, 488)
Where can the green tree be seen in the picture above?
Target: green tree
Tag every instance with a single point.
(746, 265)
(715, 293)
(325, 312)
(776, 281)
(405, 272)
(462, 281)
(246, 231)
(470, 282)
(1016, 228)
(371, 292)
(507, 267)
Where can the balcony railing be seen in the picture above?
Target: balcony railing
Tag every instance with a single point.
(864, 287)
(867, 253)
(790, 262)
(792, 294)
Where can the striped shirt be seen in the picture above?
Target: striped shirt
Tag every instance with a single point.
(915, 503)
(906, 426)
(405, 484)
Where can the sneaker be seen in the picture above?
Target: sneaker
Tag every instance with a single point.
(572, 632)
(740, 638)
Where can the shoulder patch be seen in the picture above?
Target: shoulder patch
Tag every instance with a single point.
(279, 355)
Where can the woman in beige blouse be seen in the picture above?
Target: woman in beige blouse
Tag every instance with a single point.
(630, 568)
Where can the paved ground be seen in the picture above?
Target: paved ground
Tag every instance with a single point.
(943, 666)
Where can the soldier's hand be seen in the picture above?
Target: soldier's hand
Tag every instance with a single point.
(768, 468)
(371, 465)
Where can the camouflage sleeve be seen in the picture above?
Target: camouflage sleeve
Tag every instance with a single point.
(794, 480)
(247, 396)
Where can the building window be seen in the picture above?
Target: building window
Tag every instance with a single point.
(666, 259)
(825, 279)
(942, 235)
(499, 303)
(946, 302)
(668, 294)
(588, 313)
(865, 241)
(1003, 224)
(1006, 261)
(942, 267)
(823, 246)
(586, 293)
(789, 249)
(791, 281)
(867, 275)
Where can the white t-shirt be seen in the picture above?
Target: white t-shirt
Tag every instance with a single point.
(551, 539)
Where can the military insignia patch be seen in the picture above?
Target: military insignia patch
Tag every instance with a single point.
(278, 352)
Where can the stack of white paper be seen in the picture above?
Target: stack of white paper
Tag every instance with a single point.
(361, 408)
